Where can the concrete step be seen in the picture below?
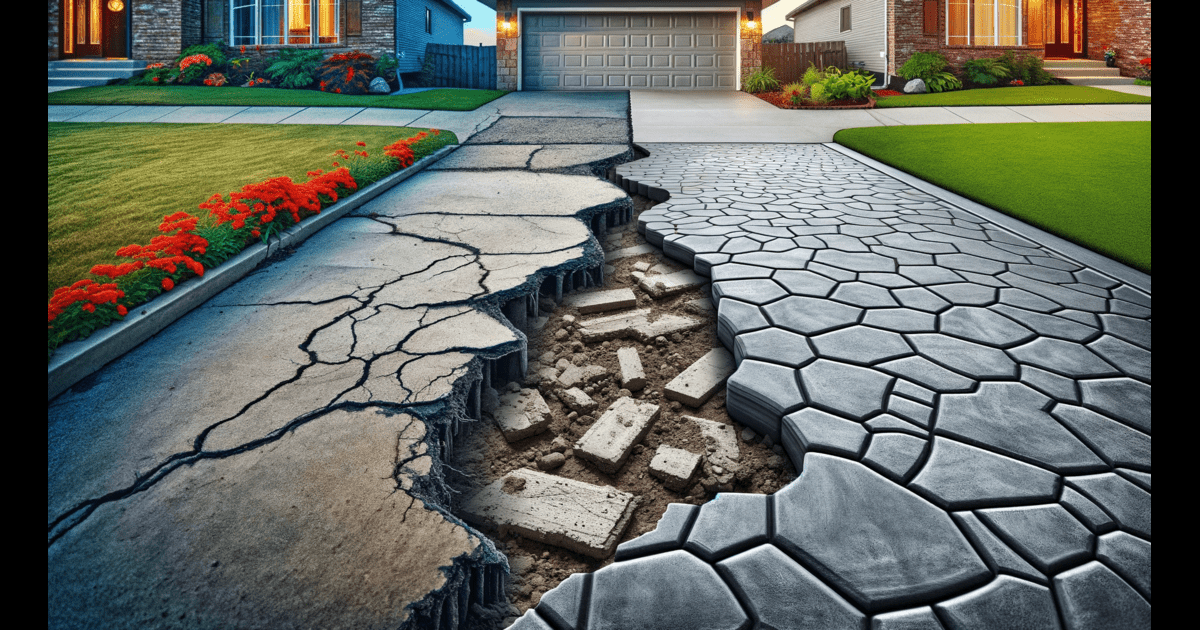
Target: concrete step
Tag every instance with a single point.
(1073, 63)
(1100, 80)
(1102, 71)
(76, 81)
(118, 64)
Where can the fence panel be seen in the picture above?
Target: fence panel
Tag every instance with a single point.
(462, 66)
(791, 60)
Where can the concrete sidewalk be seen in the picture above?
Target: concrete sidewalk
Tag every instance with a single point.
(741, 117)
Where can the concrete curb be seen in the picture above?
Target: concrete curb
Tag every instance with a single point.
(1078, 253)
(74, 361)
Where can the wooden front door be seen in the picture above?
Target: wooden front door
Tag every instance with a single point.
(1065, 28)
(94, 28)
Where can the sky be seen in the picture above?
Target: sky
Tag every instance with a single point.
(482, 27)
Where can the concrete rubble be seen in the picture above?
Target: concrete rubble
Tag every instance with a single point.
(608, 442)
(695, 385)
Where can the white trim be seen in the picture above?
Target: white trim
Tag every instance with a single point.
(737, 29)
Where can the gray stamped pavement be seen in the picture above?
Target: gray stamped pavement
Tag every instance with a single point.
(274, 458)
(969, 410)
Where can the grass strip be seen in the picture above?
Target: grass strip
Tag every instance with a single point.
(445, 100)
(1087, 182)
(109, 185)
(1028, 95)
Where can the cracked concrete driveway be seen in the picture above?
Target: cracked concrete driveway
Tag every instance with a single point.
(273, 459)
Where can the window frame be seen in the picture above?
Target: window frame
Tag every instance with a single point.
(995, 35)
(314, 37)
(845, 18)
(428, 21)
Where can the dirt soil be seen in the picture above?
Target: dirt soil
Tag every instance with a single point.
(482, 455)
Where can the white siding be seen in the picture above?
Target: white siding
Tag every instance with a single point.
(864, 40)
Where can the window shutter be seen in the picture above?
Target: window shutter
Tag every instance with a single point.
(353, 9)
(931, 15)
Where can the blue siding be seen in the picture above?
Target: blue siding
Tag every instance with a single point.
(410, 30)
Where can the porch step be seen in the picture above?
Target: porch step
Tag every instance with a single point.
(1086, 72)
(1076, 71)
(1100, 80)
(87, 72)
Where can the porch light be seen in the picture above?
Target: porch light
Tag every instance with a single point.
(750, 23)
(508, 25)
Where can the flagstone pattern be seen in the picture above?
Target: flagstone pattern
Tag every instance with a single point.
(969, 411)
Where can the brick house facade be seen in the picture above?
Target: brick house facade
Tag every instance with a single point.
(921, 25)
(158, 30)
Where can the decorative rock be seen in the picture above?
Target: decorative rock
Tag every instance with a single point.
(633, 377)
(669, 534)
(379, 85)
(574, 515)
(609, 441)
(772, 584)
(577, 400)
(649, 593)
(598, 301)
(522, 414)
(675, 467)
(695, 385)
(727, 525)
(916, 86)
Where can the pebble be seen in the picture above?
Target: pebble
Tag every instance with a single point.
(568, 319)
(550, 461)
(748, 434)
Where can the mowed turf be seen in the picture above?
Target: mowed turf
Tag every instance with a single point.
(1026, 95)
(447, 100)
(110, 185)
(1087, 182)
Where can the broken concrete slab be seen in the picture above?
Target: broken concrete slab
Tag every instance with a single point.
(577, 400)
(568, 155)
(576, 375)
(609, 441)
(522, 414)
(471, 157)
(626, 252)
(695, 385)
(553, 130)
(634, 324)
(581, 517)
(675, 467)
(720, 443)
(633, 376)
(669, 284)
(599, 301)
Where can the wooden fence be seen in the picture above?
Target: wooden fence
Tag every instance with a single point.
(462, 66)
(791, 60)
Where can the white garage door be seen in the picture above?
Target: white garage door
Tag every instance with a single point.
(623, 51)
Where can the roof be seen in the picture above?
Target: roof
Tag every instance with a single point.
(782, 32)
(804, 7)
(459, 10)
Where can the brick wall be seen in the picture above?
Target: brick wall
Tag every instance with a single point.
(52, 33)
(157, 30)
(1121, 23)
(506, 49)
(906, 25)
(751, 38)
(378, 32)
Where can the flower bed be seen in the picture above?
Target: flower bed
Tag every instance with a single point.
(186, 246)
(783, 101)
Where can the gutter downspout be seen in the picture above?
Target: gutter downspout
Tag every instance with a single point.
(887, 79)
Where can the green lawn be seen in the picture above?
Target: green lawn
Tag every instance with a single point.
(109, 185)
(448, 100)
(1087, 182)
(1028, 95)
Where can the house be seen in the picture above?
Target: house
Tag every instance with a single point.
(157, 30)
(780, 35)
(972, 29)
(626, 44)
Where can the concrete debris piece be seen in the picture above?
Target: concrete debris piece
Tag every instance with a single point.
(720, 443)
(748, 435)
(634, 324)
(522, 414)
(574, 375)
(671, 283)
(636, 250)
(695, 385)
(633, 376)
(610, 440)
(577, 516)
(702, 306)
(675, 467)
(641, 266)
(598, 301)
(577, 400)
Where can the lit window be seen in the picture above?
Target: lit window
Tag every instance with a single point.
(983, 22)
(284, 22)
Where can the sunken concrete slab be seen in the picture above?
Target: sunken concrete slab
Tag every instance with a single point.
(581, 517)
(634, 324)
(557, 156)
(487, 157)
(664, 285)
(695, 385)
(553, 130)
(600, 301)
(608, 442)
(522, 414)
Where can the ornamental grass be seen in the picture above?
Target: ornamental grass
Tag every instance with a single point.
(188, 244)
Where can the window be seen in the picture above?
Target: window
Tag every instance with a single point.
(284, 22)
(428, 21)
(983, 22)
(845, 18)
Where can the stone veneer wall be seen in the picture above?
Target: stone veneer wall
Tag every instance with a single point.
(1124, 24)
(54, 22)
(157, 30)
(751, 39)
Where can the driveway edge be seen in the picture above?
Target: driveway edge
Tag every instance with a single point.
(1059, 245)
(74, 361)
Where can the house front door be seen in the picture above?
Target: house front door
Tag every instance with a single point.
(94, 28)
(1065, 28)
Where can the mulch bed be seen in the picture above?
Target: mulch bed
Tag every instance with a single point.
(778, 100)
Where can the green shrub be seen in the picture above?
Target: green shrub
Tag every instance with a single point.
(196, 71)
(986, 71)
(943, 82)
(295, 68)
(923, 65)
(1029, 69)
(386, 67)
(812, 76)
(762, 80)
(347, 73)
(851, 85)
(817, 93)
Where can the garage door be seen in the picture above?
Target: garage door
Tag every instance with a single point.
(623, 51)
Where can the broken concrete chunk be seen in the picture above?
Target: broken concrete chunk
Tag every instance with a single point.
(702, 306)
(636, 250)
(577, 516)
(675, 467)
(610, 440)
(633, 377)
(634, 324)
(598, 301)
(575, 375)
(522, 414)
(671, 283)
(577, 400)
(641, 266)
(720, 443)
(699, 382)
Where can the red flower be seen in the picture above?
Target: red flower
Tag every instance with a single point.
(243, 50)
(168, 284)
(338, 90)
(122, 311)
(361, 143)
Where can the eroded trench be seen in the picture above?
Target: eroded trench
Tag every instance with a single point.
(492, 589)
